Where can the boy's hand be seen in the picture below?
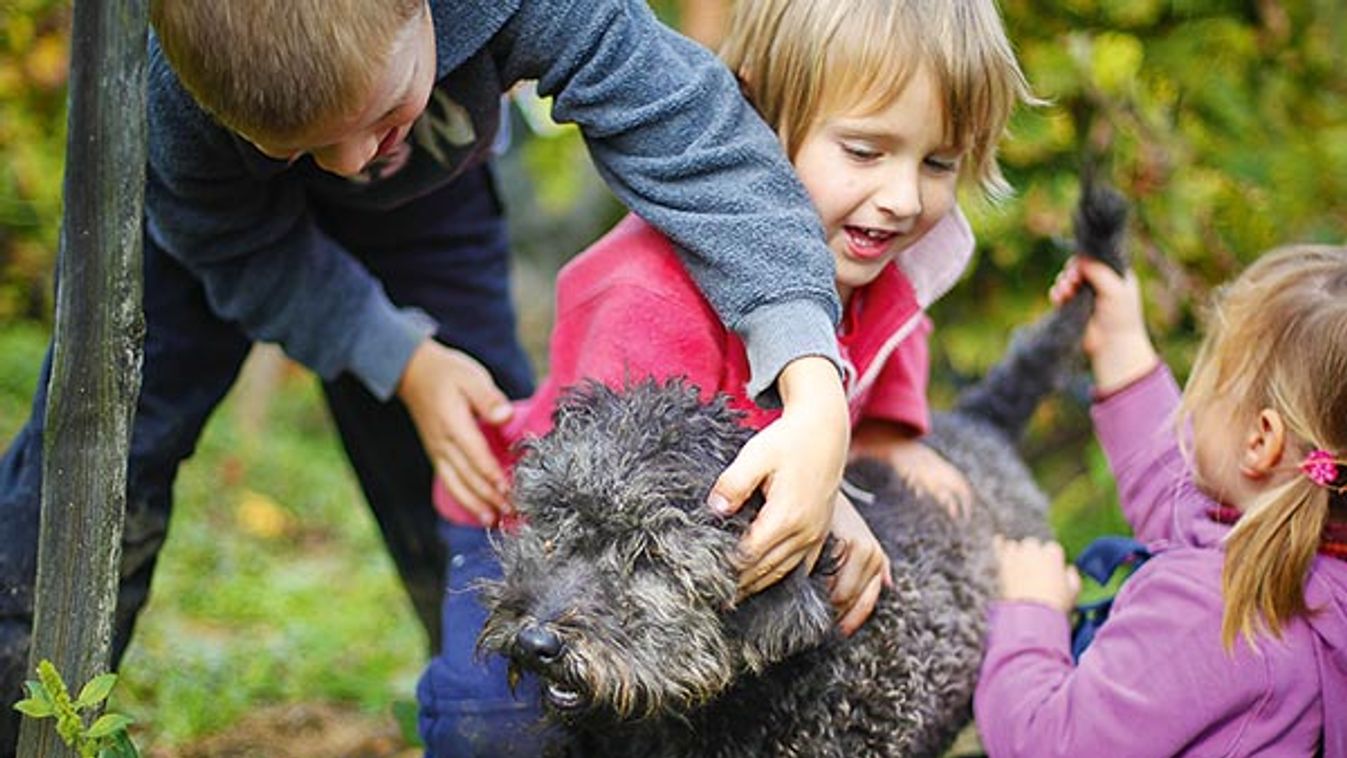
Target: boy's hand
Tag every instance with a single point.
(917, 463)
(1036, 571)
(446, 391)
(863, 568)
(797, 460)
(1120, 350)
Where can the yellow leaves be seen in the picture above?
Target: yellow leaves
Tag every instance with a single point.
(47, 62)
(1113, 59)
(260, 516)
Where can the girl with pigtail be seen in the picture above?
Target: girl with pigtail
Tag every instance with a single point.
(1231, 639)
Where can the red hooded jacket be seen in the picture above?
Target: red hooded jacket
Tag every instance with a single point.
(627, 309)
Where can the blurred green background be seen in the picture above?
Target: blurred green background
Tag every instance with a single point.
(1225, 122)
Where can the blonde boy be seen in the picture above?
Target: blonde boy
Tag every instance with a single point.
(317, 178)
(882, 106)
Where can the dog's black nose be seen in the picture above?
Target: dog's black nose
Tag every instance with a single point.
(539, 643)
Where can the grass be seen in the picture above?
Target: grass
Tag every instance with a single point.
(273, 586)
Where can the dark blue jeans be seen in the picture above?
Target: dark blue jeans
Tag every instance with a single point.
(445, 253)
(466, 707)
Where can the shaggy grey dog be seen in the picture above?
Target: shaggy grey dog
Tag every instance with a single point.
(620, 593)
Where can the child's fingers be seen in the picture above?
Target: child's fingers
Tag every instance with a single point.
(740, 479)
(778, 539)
(959, 505)
(1072, 582)
(859, 610)
(1066, 284)
(467, 450)
(1098, 274)
(464, 495)
(846, 584)
(486, 491)
(487, 400)
(774, 565)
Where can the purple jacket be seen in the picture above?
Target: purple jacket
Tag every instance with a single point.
(1156, 681)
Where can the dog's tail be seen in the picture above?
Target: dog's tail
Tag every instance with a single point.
(1041, 355)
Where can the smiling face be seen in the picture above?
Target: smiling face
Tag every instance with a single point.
(378, 130)
(880, 180)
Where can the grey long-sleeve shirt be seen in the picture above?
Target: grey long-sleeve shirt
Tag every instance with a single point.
(663, 121)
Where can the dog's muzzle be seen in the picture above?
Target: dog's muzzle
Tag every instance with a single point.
(538, 649)
(538, 645)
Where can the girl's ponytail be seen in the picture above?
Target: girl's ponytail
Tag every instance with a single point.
(1279, 342)
(1267, 556)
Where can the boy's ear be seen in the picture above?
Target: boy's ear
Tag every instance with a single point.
(1264, 445)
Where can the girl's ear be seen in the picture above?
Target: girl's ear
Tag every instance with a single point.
(1264, 445)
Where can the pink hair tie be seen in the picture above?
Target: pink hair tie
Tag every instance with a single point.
(1321, 467)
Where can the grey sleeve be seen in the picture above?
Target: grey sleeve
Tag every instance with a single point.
(672, 136)
(264, 263)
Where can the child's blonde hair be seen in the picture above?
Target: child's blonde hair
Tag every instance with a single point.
(279, 69)
(1277, 339)
(802, 61)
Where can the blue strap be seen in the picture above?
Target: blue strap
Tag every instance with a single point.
(1099, 561)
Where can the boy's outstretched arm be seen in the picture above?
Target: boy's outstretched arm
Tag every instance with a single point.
(674, 139)
(676, 142)
(797, 461)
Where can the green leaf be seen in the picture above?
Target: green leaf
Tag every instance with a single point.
(34, 708)
(405, 713)
(37, 691)
(96, 691)
(107, 724)
(120, 746)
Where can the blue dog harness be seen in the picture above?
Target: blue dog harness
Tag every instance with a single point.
(1099, 561)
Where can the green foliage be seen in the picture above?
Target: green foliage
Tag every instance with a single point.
(273, 586)
(1225, 121)
(48, 697)
(33, 67)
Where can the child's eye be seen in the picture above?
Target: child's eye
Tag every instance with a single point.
(942, 165)
(859, 152)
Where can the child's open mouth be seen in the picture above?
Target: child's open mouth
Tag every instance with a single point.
(867, 243)
(389, 143)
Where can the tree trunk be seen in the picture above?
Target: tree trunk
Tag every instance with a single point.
(97, 352)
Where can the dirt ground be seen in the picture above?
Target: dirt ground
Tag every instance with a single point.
(317, 730)
(302, 730)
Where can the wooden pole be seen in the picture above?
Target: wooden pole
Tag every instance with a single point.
(97, 352)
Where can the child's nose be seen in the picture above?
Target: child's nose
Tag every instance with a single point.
(900, 195)
(348, 157)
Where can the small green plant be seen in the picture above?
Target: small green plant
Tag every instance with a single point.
(48, 697)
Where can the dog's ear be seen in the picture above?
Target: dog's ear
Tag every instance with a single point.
(790, 616)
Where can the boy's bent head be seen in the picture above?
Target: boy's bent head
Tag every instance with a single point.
(278, 71)
(802, 61)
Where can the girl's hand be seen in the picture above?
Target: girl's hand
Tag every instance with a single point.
(447, 391)
(797, 460)
(1120, 350)
(1036, 571)
(863, 568)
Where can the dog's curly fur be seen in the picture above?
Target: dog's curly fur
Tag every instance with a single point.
(620, 592)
